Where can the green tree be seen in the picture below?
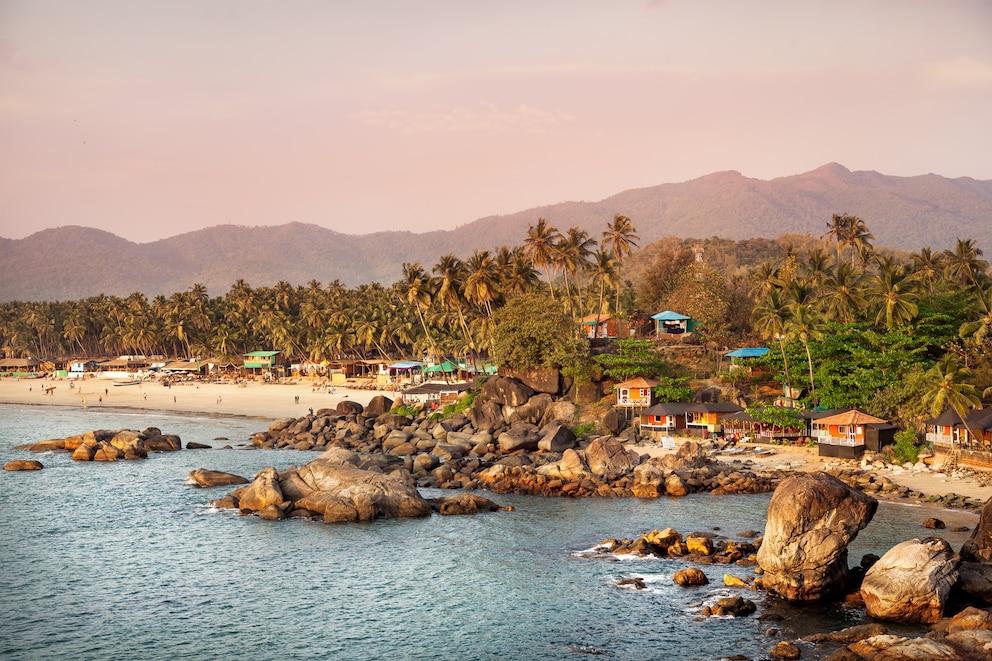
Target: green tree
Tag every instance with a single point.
(532, 332)
(633, 358)
(540, 247)
(619, 239)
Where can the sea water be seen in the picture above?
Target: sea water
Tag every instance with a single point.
(127, 560)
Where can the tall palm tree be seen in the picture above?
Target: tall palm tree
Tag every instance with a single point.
(763, 279)
(481, 280)
(894, 291)
(451, 274)
(980, 328)
(540, 246)
(839, 228)
(927, 268)
(603, 270)
(804, 324)
(620, 238)
(417, 293)
(843, 296)
(818, 265)
(769, 318)
(572, 256)
(520, 276)
(950, 387)
(964, 263)
(859, 239)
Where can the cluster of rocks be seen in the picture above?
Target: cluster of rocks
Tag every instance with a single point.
(510, 440)
(111, 445)
(867, 481)
(802, 557)
(339, 486)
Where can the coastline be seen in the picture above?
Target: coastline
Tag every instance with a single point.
(273, 401)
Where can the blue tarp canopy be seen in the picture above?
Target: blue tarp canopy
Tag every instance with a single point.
(405, 365)
(749, 352)
(668, 315)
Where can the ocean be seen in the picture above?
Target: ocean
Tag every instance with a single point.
(127, 561)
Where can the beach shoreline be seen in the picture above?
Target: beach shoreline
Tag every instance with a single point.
(273, 401)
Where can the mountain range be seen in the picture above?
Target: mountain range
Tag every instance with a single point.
(75, 262)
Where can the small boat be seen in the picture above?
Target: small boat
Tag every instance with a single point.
(126, 383)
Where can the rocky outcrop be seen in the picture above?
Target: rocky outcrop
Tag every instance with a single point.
(111, 444)
(811, 520)
(333, 487)
(507, 391)
(23, 465)
(911, 582)
(979, 547)
(541, 381)
(208, 478)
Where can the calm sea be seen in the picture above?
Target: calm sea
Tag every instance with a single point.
(127, 561)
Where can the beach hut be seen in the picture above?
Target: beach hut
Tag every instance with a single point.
(739, 358)
(405, 371)
(663, 420)
(672, 325)
(968, 441)
(261, 362)
(635, 394)
(707, 417)
(843, 434)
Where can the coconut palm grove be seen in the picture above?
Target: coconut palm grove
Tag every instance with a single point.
(899, 335)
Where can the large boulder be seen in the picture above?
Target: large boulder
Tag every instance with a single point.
(531, 411)
(975, 582)
(484, 414)
(372, 495)
(811, 520)
(208, 478)
(377, 406)
(562, 411)
(507, 391)
(609, 459)
(911, 582)
(979, 547)
(556, 438)
(543, 380)
(262, 492)
(519, 437)
(348, 407)
(571, 468)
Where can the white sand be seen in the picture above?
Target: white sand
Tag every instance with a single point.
(269, 401)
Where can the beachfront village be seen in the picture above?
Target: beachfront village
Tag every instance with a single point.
(825, 341)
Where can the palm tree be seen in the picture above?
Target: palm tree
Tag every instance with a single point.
(839, 228)
(450, 272)
(764, 278)
(540, 247)
(620, 238)
(949, 387)
(770, 317)
(417, 293)
(843, 292)
(520, 276)
(860, 240)
(480, 281)
(927, 268)
(981, 328)
(804, 325)
(818, 265)
(604, 270)
(964, 263)
(894, 291)
(572, 256)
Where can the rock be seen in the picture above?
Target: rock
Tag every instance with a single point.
(572, 467)
(193, 445)
(540, 380)
(690, 576)
(45, 446)
(734, 606)
(784, 650)
(898, 648)
(811, 520)
(850, 634)
(277, 426)
(272, 513)
(23, 465)
(506, 391)
(348, 407)
(607, 458)
(463, 503)
(735, 582)
(371, 494)
(975, 581)
(83, 453)
(531, 411)
(263, 491)
(164, 443)
(699, 545)
(107, 452)
(911, 582)
(675, 487)
(519, 437)
(377, 406)
(613, 422)
(979, 547)
(970, 619)
(934, 524)
(562, 411)
(208, 478)
(484, 414)
(635, 582)
(556, 438)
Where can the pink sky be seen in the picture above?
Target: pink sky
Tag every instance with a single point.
(150, 119)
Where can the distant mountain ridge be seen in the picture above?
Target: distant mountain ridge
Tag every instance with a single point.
(75, 262)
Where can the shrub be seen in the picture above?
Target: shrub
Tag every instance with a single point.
(584, 429)
(905, 448)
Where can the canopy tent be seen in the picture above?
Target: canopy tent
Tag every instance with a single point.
(668, 315)
(747, 352)
(405, 365)
(446, 367)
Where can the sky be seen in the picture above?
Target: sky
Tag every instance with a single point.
(150, 119)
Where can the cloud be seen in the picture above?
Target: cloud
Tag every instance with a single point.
(483, 117)
(961, 72)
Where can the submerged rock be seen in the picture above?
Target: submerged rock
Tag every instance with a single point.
(23, 465)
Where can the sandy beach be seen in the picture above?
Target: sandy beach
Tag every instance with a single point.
(271, 401)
